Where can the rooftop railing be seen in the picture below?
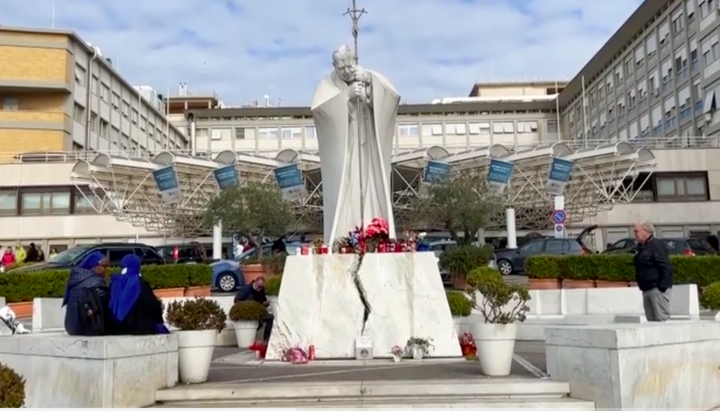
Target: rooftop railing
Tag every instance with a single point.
(653, 143)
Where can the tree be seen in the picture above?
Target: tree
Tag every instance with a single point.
(463, 203)
(253, 209)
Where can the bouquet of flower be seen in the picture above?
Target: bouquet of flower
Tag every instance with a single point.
(397, 351)
(375, 233)
(467, 346)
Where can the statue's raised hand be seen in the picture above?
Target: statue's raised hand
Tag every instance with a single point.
(359, 89)
(361, 75)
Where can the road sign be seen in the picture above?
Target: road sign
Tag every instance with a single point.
(558, 217)
(559, 231)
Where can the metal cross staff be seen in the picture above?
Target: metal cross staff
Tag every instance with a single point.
(355, 16)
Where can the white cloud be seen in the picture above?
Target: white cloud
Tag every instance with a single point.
(244, 49)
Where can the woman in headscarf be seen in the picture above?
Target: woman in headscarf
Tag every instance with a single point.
(133, 304)
(88, 275)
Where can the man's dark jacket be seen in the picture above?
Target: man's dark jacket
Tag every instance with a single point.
(249, 293)
(652, 266)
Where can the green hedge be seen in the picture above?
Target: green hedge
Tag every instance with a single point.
(700, 270)
(51, 284)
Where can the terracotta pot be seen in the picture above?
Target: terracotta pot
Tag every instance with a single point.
(169, 292)
(22, 309)
(610, 284)
(572, 284)
(252, 272)
(197, 291)
(544, 283)
(459, 282)
(632, 284)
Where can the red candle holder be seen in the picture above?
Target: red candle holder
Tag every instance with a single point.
(382, 248)
(324, 249)
(305, 250)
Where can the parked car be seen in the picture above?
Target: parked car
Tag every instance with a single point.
(512, 260)
(184, 253)
(114, 251)
(676, 246)
(227, 274)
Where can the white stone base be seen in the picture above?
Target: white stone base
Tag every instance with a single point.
(319, 304)
(670, 365)
(48, 315)
(62, 371)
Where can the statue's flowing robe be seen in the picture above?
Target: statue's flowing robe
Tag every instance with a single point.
(335, 112)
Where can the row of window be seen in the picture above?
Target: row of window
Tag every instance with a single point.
(50, 201)
(651, 80)
(403, 130)
(674, 187)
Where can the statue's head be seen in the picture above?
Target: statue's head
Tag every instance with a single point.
(344, 63)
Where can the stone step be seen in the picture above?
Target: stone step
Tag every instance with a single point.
(317, 391)
(418, 402)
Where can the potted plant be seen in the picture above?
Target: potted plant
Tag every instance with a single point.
(581, 271)
(460, 308)
(710, 298)
(272, 291)
(544, 272)
(12, 388)
(246, 316)
(198, 321)
(501, 306)
(461, 260)
(397, 353)
(418, 347)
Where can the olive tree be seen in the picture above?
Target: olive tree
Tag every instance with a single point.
(253, 209)
(461, 203)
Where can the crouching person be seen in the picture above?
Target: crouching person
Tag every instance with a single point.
(255, 291)
(135, 308)
(87, 298)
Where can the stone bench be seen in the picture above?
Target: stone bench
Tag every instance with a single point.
(63, 371)
(49, 316)
(644, 365)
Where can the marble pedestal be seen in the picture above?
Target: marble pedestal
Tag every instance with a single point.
(62, 371)
(319, 304)
(670, 365)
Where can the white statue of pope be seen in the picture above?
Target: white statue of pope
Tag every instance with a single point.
(354, 110)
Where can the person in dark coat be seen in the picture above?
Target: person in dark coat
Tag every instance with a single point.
(255, 291)
(135, 308)
(32, 254)
(279, 246)
(89, 274)
(653, 272)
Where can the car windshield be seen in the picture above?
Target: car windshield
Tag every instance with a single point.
(68, 256)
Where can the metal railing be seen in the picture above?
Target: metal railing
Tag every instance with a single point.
(677, 142)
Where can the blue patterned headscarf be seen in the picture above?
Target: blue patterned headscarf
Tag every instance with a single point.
(125, 287)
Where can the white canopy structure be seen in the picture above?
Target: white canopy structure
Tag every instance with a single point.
(125, 186)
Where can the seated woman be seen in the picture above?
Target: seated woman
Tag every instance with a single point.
(86, 298)
(134, 307)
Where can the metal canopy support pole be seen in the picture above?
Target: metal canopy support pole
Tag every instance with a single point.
(217, 241)
(511, 231)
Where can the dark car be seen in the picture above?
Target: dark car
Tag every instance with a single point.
(676, 246)
(227, 274)
(183, 253)
(114, 251)
(511, 261)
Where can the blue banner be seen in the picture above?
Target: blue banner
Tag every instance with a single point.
(290, 181)
(227, 177)
(499, 172)
(559, 176)
(436, 171)
(167, 183)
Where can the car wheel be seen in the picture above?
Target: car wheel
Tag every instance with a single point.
(505, 267)
(226, 282)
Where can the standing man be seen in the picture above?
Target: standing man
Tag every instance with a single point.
(653, 272)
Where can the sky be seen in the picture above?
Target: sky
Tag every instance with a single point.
(246, 49)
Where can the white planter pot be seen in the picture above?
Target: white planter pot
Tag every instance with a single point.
(397, 358)
(195, 350)
(418, 353)
(273, 300)
(245, 332)
(495, 347)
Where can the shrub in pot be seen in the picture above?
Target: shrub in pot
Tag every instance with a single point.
(198, 321)
(461, 260)
(710, 298)
(246, 316)
(501, 306)
(12, 388)
(460, 308)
